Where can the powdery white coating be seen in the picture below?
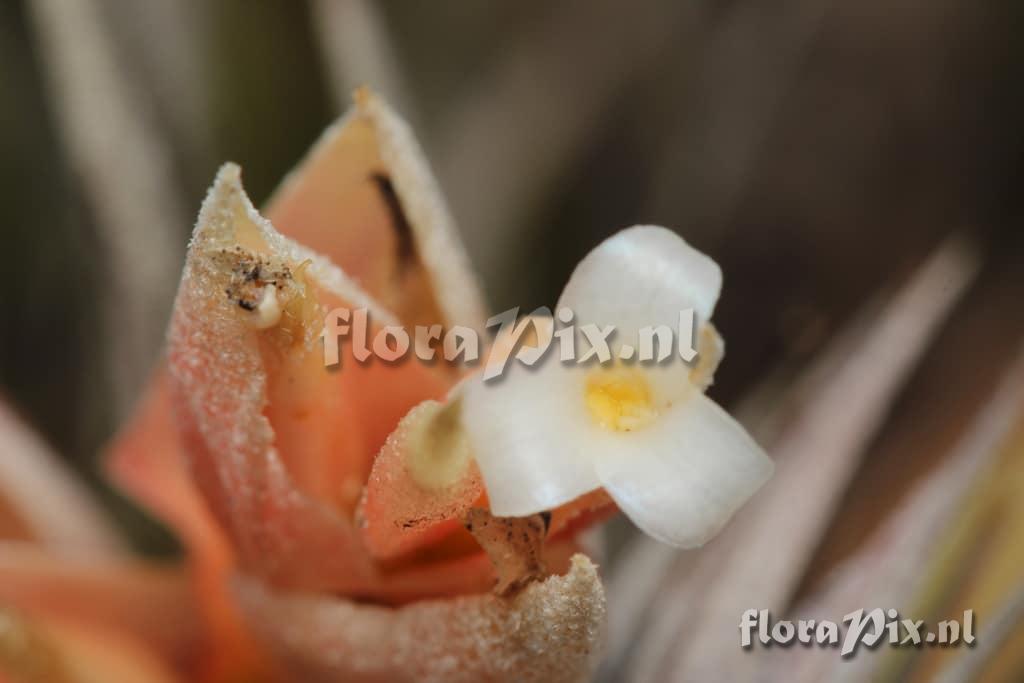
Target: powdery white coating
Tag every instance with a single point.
(219, 392)
(220, 386)
(551, 632)
(226, 197)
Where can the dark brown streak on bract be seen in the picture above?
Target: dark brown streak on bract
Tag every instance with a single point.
(405, 248)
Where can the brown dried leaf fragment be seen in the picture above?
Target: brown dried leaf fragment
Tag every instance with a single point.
(514, 544)
(274, 291)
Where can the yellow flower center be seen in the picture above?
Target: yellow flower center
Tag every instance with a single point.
(620, 399)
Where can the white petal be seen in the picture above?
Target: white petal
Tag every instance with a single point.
(530, 436)
(682, 479)
(642, 276)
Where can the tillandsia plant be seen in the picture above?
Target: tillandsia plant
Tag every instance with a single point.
(411, 521)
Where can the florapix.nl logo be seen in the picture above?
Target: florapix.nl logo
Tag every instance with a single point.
(868, 628)
(526, 339)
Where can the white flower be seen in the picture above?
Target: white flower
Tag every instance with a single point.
(675, 463)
